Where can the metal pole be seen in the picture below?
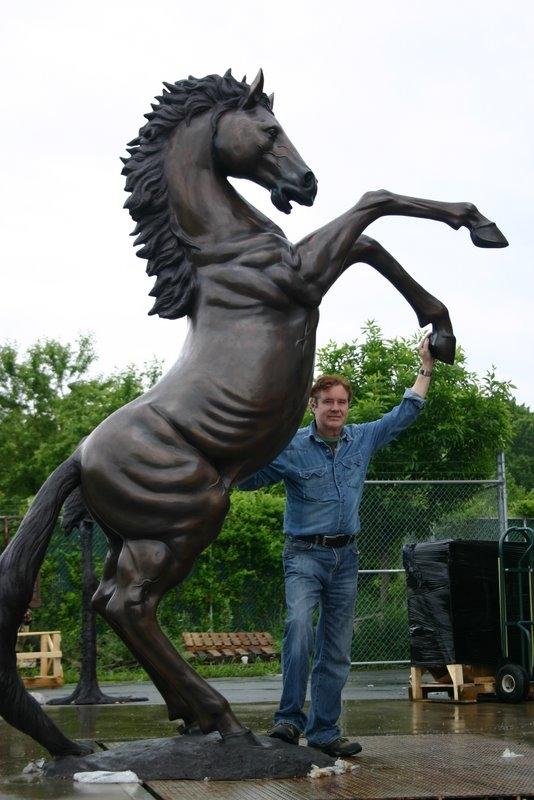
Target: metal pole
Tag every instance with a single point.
(502, 498)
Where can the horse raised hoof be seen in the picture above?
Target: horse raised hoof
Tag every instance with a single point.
(443, 346)
(487, 234)
(244, 738)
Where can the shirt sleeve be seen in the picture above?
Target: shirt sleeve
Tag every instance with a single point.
(273, 473)
(388, 427)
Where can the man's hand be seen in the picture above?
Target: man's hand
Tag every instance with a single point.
(427, 359)
(422, 382)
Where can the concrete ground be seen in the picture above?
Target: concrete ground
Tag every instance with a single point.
(378, 684)
(375, 703)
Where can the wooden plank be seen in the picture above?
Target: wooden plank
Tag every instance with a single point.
(224, 645)
(415, 683)
(44, 659)
(49, 681)
(456, 671)
(34, 655)
(57, 665)
(48, 657)
(463, 687)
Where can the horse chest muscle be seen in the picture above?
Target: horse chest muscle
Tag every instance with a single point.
(265, 276)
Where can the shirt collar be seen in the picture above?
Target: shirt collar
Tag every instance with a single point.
(312, 432)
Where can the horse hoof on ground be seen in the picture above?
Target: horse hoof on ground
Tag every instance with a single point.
(443, 346)
(488, 235)
(192, 730)
(77, 749)
(244, 738)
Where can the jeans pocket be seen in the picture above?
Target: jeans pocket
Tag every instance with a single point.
(295, 544)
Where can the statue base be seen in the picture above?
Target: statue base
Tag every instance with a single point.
(196, 758)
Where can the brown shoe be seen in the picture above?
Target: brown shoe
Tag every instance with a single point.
(286, 732)
(339, 748)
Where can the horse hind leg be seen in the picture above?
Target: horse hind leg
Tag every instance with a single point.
(177, 708)
(146, 569)
(429, 310)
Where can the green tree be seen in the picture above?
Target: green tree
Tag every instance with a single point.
(520, 453)
(48, 403)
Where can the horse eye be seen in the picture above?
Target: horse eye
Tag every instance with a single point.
(273, 132)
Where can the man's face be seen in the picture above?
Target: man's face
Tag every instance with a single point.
(330, 409)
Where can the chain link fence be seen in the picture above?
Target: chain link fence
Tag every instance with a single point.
(395, 513)
(237, 584)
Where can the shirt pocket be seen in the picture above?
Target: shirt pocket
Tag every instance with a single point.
(352, 469)
(316, 484)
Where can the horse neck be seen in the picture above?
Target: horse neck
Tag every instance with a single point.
(207, 207)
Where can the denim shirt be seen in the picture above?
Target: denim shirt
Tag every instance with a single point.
(324, 489)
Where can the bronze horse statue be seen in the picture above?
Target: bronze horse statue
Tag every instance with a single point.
(156, 475)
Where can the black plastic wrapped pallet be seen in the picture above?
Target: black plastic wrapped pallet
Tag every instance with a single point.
(453, 601)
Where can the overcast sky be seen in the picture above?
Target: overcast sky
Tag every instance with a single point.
(424, 98)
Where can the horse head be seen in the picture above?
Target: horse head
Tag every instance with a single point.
(200, 131)
(249, 142)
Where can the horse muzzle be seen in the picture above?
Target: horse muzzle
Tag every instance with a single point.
(303, 193)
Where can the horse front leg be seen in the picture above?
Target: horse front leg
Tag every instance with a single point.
(429, 310)
(324, 254)
(484, 232)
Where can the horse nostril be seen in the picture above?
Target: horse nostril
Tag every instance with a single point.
(309, 180)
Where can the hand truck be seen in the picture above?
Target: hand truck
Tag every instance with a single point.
(514, 679)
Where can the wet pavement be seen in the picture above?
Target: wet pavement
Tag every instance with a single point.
(374, 703)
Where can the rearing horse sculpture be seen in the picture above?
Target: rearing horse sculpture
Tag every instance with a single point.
(156, 475)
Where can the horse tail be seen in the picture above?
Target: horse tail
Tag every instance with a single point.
(19, 566)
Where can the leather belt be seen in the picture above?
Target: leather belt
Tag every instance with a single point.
(329, 541)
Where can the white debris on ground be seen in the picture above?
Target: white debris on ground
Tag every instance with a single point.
(34, 766)
(338, 768)
(510, 754)
(104, 776)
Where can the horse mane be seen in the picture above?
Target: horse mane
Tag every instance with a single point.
(165, 246)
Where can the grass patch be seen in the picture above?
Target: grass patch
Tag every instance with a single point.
(136, 675)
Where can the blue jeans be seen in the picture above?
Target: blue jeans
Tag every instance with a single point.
(324, 577)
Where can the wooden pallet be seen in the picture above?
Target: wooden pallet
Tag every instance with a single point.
(463, 683)
(229, 646)
(48, 657)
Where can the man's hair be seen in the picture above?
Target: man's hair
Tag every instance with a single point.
(326, 382)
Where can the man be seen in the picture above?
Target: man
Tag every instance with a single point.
(323, 469)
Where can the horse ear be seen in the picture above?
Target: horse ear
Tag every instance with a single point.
(271, 100)
(255, 92)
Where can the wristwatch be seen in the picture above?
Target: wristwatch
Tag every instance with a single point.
(426, 372)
